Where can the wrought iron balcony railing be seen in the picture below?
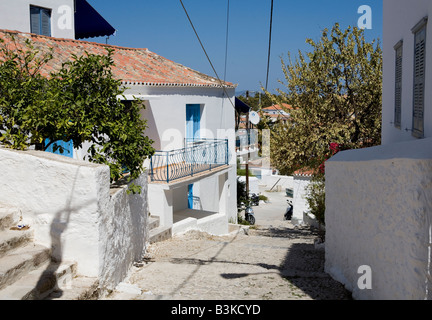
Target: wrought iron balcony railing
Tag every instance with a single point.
(198, 156)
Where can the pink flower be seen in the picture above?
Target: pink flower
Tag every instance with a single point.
(334, 147)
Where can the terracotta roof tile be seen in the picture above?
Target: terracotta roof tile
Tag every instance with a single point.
(132, 65)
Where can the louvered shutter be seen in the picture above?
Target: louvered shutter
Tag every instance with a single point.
(34, 20)
(45, 22)
(40, 21)
(419, 79)
(398, 84)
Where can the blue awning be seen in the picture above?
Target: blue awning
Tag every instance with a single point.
(89, 23)
(240, 106)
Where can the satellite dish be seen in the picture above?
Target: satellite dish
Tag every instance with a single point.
(254, 117)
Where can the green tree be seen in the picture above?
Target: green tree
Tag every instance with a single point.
(335, 91)
(78, 102)
(257, 100)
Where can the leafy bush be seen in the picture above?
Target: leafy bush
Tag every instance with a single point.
(315, 197)
(78, 102)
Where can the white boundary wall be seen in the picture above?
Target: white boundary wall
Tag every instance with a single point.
(71, 208)
(379, 214)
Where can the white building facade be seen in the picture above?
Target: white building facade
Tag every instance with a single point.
(193, 172)
(378, 200)
(190, 118)
(407, 59)
(69, 19)
(46, 17)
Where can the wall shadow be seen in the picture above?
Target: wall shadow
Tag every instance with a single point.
(302, 266)
(49, 277)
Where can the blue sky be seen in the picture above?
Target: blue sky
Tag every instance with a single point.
(162, 27)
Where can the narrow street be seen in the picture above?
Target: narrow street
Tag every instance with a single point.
(272, 260)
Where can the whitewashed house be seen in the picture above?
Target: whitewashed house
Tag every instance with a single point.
(378, 200)
(190, 182)
(70, 19)
(191, 121)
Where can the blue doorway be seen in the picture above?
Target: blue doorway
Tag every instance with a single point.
(65, 146)
(190, 196)
(193, 119)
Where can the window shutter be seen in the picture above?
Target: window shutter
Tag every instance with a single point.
(398, 84)
(34, 20)
(419, 78)
(45, 22)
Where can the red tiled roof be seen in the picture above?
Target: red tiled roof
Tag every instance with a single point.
(305, 172)
(277, 107)
(132, 65)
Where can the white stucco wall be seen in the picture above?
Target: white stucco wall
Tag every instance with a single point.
(69, 206)
(400, 16)
(166, 118)
(301, 207)
(15, 15)
(379, 214)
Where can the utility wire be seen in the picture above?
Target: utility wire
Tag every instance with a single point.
(208, 58)
(270, 36)
(268, 56)
(226, 37)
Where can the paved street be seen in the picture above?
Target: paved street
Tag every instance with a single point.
(270, 261)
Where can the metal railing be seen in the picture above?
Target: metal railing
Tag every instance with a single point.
(197, 156)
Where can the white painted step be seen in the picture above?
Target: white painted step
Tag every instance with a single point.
(9, 216)
(159, 234)
(41, 282)
(12, 239)
(20, 261)
(80, 288)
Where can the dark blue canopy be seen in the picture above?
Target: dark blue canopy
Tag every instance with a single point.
(240, 106)
(89, 23)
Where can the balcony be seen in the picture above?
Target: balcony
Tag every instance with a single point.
(198, 157)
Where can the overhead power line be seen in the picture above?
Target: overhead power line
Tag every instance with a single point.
(269, 48)
(205, 52)
(226, 38)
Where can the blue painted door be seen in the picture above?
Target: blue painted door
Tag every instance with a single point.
(193, 119)
(190, 196)
(67, 148)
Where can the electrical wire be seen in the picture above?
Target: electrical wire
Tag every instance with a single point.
(226, 38)
(269, 48)
(205, 52)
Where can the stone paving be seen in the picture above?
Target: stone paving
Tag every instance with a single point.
(271, 261)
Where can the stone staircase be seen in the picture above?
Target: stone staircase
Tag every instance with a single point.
(27, 271)
(158, 232)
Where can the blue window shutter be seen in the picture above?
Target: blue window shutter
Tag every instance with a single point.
(45, 22)
(40, 21)
(34, 20)
(190, 196)
(419, 80)
(398, 85)
(66, 148)
(193, 119)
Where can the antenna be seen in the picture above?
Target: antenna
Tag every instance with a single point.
(254, 117)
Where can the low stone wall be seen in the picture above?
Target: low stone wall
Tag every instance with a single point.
(71, 208)
(379, 220)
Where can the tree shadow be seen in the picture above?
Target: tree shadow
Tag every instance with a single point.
(48, 281)
(302, 267)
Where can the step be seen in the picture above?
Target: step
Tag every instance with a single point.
(20, 261)
(11, 239)
(80, 288)
(9, 216)
(154, 222)
(159, 234)
(41, 282)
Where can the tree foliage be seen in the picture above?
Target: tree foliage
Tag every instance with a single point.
(78, 102)
(335, 91)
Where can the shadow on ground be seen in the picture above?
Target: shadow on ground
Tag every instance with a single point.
(303, 265)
